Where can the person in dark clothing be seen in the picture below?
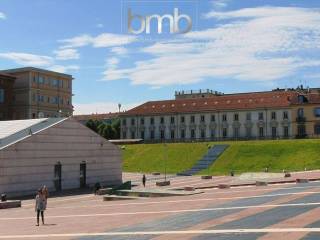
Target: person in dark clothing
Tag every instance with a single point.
(40, 206)
(144, 179)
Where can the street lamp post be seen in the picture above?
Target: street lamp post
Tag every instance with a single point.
(165, 161)
(119, 107)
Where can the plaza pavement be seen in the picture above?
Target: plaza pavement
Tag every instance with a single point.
(287, 211)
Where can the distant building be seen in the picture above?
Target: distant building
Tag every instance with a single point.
(39, 93)
(6, 96)
(60, 153)
(104, 117)
(209, 115)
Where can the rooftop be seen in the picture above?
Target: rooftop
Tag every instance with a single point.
(33, 69)
(17, 130)
(238, 101)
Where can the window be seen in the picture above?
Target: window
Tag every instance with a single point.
(55, 100)
(182, 119)
(224, 117)
(192, 119)
(236, 117)
(152, 121)
(193, 134)
(142, 134)
(124, 122)
(1, 95)
(142, 121)
(261, 132)
(40, 98)
(68, 102)
(61, 101)
(301, 130)
(260, 115)
(33, 115)
(132, 121)
(172, 120)
(300, 113)
(152, 134)
(124, 134)
(285, 115)
(162, 120)
(236, 132)
(203, 133)
(202, 119)
(213, 133)
(224, 132)
(183, 133)
(317, 112)
(317, 129)
(248, 116)
(248, 132)
(274, 132)
(54, 82)
(162, 134)
(133, 135)
(286, 131)
(172, 134)
(41, 80)
(213, 118)
(60, 83)
(273, 116)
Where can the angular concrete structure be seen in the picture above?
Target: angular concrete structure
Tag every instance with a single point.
(60, 153)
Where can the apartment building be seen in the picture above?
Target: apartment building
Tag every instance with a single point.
(218, 116)
(6, 96)
(39, 93)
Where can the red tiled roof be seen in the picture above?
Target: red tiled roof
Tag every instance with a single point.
(273, 99)
(102, 116)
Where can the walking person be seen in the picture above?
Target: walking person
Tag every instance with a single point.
(40, 206)
(144, 179)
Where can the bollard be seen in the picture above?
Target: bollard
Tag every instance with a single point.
(3, 197)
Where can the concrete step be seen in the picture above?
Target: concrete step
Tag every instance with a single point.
(116, 198)
(206, 161)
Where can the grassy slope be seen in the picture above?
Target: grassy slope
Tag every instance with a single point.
(150, 157)
(248, 156)
(254, 156)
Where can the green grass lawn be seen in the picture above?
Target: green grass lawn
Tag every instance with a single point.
(242, 156)
(151, 157)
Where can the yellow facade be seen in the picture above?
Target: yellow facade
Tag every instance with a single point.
(309, 121)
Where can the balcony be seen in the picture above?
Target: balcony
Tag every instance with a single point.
(300, 119)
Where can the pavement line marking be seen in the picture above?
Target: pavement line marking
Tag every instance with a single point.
(188, 200)
(199, 232)
(170, 211)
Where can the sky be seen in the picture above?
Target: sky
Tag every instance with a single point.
(232, 46)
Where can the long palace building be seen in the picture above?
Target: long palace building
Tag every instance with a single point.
(208, 115)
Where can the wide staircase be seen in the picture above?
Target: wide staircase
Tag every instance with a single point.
(206, 161)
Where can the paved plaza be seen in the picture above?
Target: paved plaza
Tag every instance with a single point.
(287, 211)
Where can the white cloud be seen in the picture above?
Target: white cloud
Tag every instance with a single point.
(99, 25)
(219, 4)
(63, 68)
(252, 44)
(119, 50)
(101, 107)
(67, 54)
(102, 40)
(27, 59)
(112, 62)
(2, 16)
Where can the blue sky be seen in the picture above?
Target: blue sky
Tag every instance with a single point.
(233, 46)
